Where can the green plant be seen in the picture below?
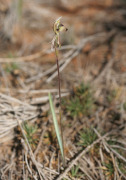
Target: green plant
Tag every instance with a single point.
(81, 103)
(122, 166)
(87, 136)
(10, 55)
(75, 171)
(112, 95)
(111, 142)
(30, 130)
(109, 168)
(20, 8)
(11, 67)
(57, 28)
(56, 126)
(124, 106)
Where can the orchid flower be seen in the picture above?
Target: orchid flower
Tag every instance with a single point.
(57, 28)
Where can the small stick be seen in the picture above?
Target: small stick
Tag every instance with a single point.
(79, 156)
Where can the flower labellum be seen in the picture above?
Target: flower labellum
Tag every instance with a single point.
(57, 28)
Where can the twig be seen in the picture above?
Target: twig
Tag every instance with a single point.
(26, 153)
(23, 164)
(34, 56)
(5, 79)
(114, 164)
(118, 155)
(46, 98)
(103, 141)
(63, 66)
(100, 169)
(50, 164)
(74, 53)
(30, 150)
(120, 170)
(48, 71)
(79, 156)
(91, 166)
(40, 142)
(84, 169)
(69, 56)
(108, 65)
(43, 91)
(12, 99)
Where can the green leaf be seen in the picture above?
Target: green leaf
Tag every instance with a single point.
(56, 126)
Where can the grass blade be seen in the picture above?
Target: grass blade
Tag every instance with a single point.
(56, 126)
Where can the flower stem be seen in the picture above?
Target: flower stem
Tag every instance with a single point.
(60, 113)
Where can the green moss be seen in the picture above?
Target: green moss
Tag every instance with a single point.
(81, 103)
(11, 67)
(75, 172)
(87, 137)
(30, 131)
(109, 168)
(122, 166)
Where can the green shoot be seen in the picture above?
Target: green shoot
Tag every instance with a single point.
(11, 67)
(57, 28)
(109, 169)
(87, 137)
(19, 8)
(75, 172)
(122, 166)
(56, 126)
(30, 130)
(81, 103)
(124, 106)
(112, 95)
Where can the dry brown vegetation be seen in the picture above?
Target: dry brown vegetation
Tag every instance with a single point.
(93, 88)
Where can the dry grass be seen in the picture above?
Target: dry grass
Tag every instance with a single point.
(94, 118)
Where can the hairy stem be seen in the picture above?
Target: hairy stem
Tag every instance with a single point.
(59, 87)
(57, 62)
